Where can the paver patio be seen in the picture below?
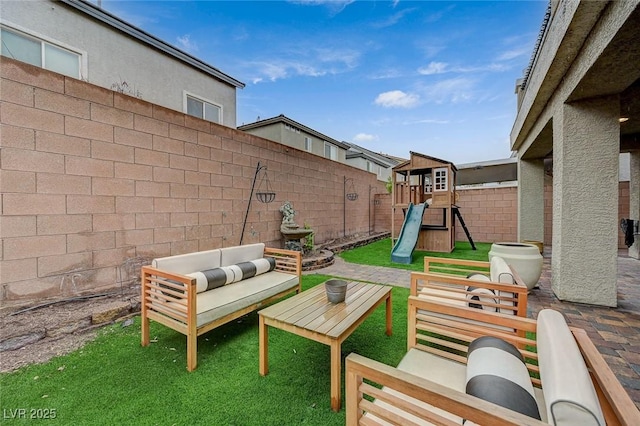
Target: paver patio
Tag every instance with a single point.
(615, 331)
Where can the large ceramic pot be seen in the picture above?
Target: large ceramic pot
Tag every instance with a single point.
(524, 258)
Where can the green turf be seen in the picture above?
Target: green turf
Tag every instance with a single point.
(379, 254)
(113, 380)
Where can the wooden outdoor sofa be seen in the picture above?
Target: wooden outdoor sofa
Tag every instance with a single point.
(196, 292)
(565, 374)
(492, 286)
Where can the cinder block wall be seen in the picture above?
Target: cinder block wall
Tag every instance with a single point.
(95, 183)
(491, 214)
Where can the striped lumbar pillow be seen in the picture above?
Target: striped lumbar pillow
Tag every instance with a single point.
(496, 372)
(478, 296)
(209, 279)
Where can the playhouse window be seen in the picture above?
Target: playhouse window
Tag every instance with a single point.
(440, 181)
(428, 185)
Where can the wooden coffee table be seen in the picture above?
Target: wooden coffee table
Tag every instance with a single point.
(309, 314)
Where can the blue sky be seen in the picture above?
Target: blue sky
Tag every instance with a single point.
(393, 76)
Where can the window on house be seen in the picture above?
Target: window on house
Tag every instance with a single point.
(330, 151)
(369, 166)
(440, 180)
(40, 53)
(308, 144)
(201, 108)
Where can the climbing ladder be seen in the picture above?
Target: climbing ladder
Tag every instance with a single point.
(456, 211)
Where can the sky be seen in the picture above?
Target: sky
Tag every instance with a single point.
(437, 78)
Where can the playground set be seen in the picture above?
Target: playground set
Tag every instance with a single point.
(424, 189)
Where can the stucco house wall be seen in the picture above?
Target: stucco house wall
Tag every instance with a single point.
(112, 57)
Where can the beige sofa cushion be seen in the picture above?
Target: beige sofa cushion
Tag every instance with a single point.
(569, 393)
(190, 262)
(500, 272)
(237, 254)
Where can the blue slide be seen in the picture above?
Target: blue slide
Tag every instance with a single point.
(403, 250)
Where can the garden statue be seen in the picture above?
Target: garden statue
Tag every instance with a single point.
(291, 232)
(287, 215)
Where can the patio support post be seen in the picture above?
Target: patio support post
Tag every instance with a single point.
(586, 145)
(634, 199)
(531, 199)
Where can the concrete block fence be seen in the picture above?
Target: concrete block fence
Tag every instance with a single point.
(95, 183)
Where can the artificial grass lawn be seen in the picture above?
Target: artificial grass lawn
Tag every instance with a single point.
(379, 254)
(113, 380)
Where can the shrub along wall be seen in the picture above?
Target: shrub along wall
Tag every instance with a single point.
(95, 183)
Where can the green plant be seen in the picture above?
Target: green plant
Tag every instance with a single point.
(309, 240)
(388, 184)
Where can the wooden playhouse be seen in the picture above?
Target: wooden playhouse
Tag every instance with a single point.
(432, 182)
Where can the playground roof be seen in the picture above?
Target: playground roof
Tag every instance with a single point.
(418, 162)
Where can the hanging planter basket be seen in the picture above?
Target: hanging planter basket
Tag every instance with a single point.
(350, 191)
(265, 197)
(265, 193)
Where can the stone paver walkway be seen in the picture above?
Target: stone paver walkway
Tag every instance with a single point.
(615, 331)
(373, 274)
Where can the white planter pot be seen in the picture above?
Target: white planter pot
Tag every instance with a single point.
(524, 258)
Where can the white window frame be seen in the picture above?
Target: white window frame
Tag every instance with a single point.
(440, 179)
(428, 185)
(308, 144)
(333, 151)
(186, 94)
(83, 73)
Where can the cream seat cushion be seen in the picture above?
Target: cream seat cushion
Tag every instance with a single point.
(225, 300)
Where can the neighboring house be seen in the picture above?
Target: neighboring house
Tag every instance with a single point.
(80, 40)
(578, 108)
(379, 164)
(286, 131)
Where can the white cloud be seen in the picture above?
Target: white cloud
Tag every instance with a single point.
(433, 68)
(348, 57)
(308, 62)
(383, 75)
(364, 137)
(185, 43)
(427, 121)
(453, 90)
(334, 6)
(492, 67)
(514, 53)
(393, 19)
(397, 99)
(442, 67)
